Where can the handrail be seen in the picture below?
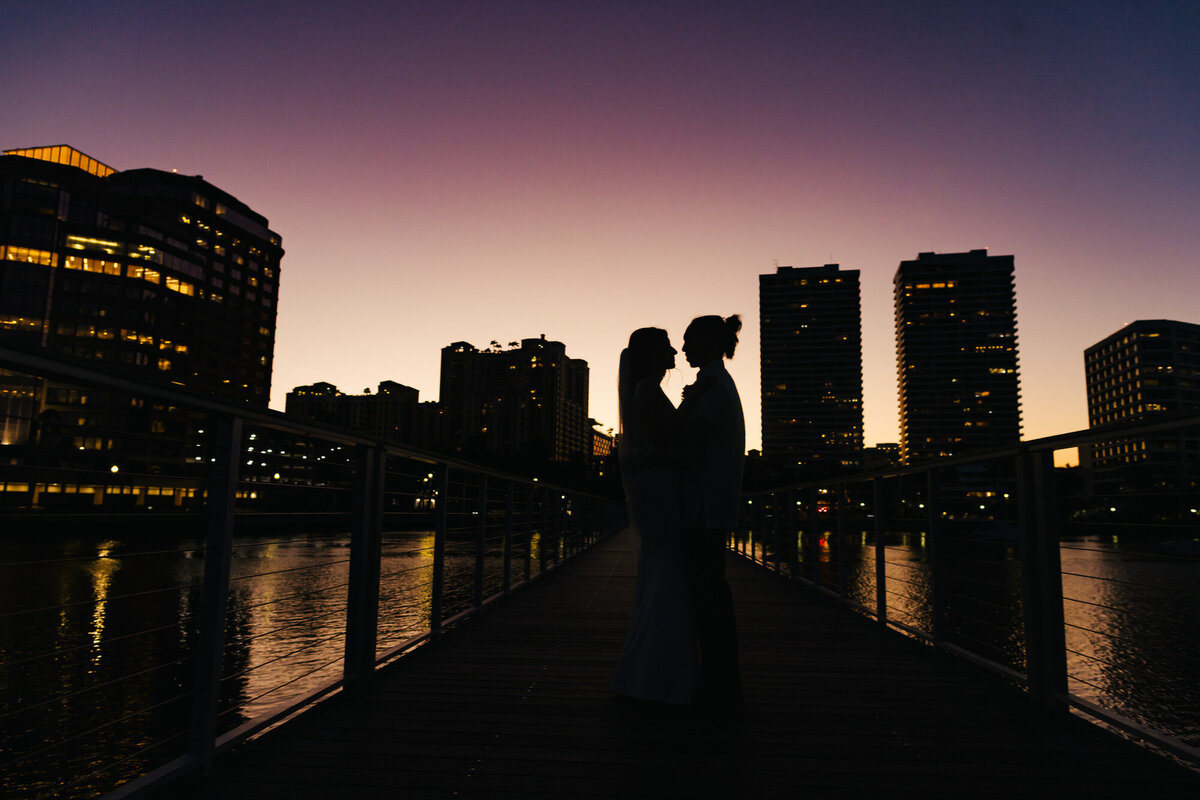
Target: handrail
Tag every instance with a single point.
(566, 521)
(1060, 441)
(955, 576)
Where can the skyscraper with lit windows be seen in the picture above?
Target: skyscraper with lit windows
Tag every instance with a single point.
(526, 402)
(1147, 369)
(956, 352)
(151, 274)
(810, 329)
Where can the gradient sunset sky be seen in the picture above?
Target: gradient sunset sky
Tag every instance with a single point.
(446, 171)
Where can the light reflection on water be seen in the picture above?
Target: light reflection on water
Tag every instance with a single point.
(287, 610)
(1134, 618)
(126, 623)
(1132, 615)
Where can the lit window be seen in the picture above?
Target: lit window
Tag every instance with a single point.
(183, 287)
(29, 255)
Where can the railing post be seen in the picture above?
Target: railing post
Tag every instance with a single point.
(542, 495)
(589, 523)
(731, 542)
(778, 528)
(746, 545)
(1041, 581)
(218, 550)
(741, 545)
(793, 529)
(574, 524)
(879, 501)
(756, 532)
(442, 482)
(564, 525)
(529, 502)
(366, 541)
(506, 579)
(759, 552)
(937, 577)
(566, 530)
(560, 533)
(753, 534)
(843, 561)
(480, 540)
(814, 536)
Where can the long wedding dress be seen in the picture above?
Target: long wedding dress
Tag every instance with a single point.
(659, 661)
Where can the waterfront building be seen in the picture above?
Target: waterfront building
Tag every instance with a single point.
(1149, 368)
(956, 348)
(810, 328)
(158, 276)
(526, 402)
(882, 455)
(603, 444)
(429, 427)
(390, 413)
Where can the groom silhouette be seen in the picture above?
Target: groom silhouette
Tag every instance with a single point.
(712, 440)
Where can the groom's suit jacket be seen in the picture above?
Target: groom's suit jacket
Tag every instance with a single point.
(712, 440)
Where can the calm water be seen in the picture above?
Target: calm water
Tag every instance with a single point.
(105, 639)
(106, 631)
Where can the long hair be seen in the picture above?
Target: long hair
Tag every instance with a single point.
(641, 359)
(721, 332)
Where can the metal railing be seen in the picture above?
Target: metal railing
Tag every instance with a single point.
(1081, 585)
(241, 567)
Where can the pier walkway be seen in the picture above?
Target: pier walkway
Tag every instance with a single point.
(515, 704)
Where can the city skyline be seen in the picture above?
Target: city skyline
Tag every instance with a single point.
(498, 171)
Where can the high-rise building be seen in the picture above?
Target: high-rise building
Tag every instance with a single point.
(810, 327)
(529, 401)
(1148, 368)
(956, 349)
(158, 276)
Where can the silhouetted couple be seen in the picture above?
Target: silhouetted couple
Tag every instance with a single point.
(682, 471)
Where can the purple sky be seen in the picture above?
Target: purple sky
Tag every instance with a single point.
(449, 171)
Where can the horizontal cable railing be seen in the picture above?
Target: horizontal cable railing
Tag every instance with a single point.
(1080, 584)
(158, 609)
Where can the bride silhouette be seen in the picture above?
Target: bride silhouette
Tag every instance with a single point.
(659, 662)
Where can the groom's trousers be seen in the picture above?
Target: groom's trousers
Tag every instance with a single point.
(716, 628)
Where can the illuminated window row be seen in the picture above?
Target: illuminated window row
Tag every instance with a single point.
(61, 154)
(97, 265)
(28, 255)
(90, 243)
(20, 324)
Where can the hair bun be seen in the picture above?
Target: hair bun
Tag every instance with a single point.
(733, 324)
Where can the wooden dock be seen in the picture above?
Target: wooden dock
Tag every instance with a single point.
(515, 704)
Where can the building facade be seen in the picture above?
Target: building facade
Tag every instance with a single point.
(157, 276)
(956, 352)
(526, 402)
(390, 413)
(1148, 368)
(810, 328)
